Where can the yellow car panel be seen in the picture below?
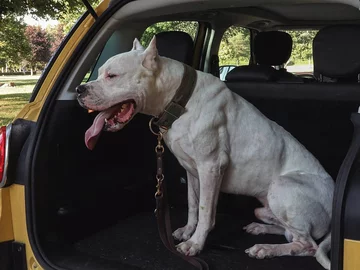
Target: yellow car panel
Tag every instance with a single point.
(351, 254)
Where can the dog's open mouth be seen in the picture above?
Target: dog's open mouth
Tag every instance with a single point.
(112, 119)
(121, 115)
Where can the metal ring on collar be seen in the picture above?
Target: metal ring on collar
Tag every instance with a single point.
(150, 127)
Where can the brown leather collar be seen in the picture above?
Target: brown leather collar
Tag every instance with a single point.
(176, 107)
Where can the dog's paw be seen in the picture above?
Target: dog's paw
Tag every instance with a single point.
(255, 228)
(184, 233)
(188, 248)
(260, 251)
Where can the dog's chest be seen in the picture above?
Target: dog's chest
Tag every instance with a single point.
(181, 146)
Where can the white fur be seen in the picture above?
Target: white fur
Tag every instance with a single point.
(225, 144)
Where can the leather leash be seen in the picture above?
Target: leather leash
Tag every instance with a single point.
(162, 212)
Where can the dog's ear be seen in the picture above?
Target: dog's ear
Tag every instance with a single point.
(137, 45)
(151, 58)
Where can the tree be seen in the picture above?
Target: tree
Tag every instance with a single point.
(302, 45)
(56, 35)
(40, 46)
(13, 44)
(184, 26)
(40, 8)
(68, 17)
(235, 47)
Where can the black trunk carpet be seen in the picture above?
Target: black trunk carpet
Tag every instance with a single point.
(135, 241)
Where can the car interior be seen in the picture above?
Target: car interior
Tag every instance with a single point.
(95, 209)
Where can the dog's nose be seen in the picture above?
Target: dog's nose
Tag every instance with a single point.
(80, 89)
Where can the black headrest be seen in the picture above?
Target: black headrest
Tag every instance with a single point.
(336, 51)
(176, 45)
(272, 48)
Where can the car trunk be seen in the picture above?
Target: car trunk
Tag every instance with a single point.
(95, 209)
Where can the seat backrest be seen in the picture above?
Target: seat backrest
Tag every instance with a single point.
(317, 114)
(271, 48)
(176, 45)
(336, 54)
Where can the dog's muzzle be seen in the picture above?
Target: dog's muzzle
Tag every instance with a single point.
(80, 89)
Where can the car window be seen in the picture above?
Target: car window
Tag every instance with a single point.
(89, 76)
(301, 61)
(189, 27)
(234, 49)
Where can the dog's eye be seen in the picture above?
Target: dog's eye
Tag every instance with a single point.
(110, 76)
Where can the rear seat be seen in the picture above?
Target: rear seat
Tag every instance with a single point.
(317, 113)
(270, 49)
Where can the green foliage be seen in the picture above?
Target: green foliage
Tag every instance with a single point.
(184, 26)
(302, 46)
(43, 9)
(18, 49)
(13, 44)
(55, 35)
(69, 16)
(235, 47)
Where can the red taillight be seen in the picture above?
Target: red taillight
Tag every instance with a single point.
(2, 151)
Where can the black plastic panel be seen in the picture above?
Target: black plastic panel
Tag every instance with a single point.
(6, 256)
(20, 132)
(19, 255)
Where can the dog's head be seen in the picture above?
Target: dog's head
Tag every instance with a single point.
(121, 89)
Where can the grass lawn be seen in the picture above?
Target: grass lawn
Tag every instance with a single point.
(21, 85)
(13, 99)
(26, 83)
(10, 105)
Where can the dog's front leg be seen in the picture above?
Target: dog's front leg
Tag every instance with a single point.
(184, 233)
(210, 182)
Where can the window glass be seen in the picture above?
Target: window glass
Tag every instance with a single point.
(235, 47)
(301, 60)
(189, 27)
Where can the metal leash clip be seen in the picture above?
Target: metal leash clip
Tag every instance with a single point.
(159, 150)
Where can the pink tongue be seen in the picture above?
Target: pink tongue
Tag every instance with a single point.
(93, 133)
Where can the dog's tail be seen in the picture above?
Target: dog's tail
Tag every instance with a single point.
(323, 249)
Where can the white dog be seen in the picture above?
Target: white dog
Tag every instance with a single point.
(225, 144)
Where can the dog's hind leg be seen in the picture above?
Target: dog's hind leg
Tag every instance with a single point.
(257, 228)
(297, 248)
(264, 214)
(303, 210)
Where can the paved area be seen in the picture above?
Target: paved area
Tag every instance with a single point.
(18, 77)
(300, 68)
